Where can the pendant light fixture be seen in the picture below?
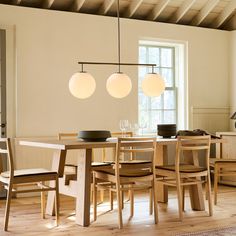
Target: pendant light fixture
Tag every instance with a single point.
(82, 84)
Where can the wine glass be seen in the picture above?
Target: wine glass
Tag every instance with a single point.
(142, 126)
(134, 128)
(124, 125)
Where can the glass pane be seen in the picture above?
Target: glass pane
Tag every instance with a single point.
(143, 119)
(167, 75)
(169, 99)
(157, 70)
(143, 102)
(156, 118)
(166, 57)
(153, 55)
(142, 54)
(169, 117)
(156, 102)
(142, 72)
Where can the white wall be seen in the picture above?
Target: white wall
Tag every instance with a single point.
(49, 44)
(232, 77)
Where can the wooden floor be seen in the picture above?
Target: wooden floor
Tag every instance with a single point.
(25, 217)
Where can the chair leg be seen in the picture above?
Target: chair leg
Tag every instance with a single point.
(131, 194)
(94, 198)
(150, 201)
(111, 199)
(155, 200)
(183, 196)
(8, 204)
(122, 197)
(119, 202)
(102, 195)
(216, 179)
(179, 195)
(209, 195)
(57, 202)
(43, 203)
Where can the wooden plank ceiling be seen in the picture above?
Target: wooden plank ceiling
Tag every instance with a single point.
(216, 14)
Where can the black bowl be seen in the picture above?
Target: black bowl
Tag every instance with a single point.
(94, 135)
(166, 130)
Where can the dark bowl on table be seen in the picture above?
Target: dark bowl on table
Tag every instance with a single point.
(94, 135)
(166, 130)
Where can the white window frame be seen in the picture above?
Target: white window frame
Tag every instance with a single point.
(180, 85)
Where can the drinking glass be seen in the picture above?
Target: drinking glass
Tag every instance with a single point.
(134, 128)
(142, 126)
(124, 125)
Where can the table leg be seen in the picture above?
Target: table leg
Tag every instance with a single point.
(196, 191)
(58, 164)
(84, 184)
(161, 159)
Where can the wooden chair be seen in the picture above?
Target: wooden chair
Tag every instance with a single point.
(127, 179)
(183, 174)
(29, 178)
(126, 161)
(221, 167)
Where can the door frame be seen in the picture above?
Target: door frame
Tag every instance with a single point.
(10, 79)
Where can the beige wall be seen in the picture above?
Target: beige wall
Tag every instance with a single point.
(232, 77)
(49, 44)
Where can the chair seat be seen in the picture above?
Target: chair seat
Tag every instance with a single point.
(95, 164)
(184, 168)
(28, 172)
(129, 172)
(217, 160)
(133, 162)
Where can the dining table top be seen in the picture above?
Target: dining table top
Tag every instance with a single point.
(67, 144)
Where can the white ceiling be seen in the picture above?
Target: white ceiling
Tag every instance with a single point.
(218, 14)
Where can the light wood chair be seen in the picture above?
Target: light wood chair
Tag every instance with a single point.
(183, 174)
(27, 178)
(128, 179)
(127, 160)
(222, 168)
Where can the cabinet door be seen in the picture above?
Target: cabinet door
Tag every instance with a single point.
(229, 148)
(229, 152)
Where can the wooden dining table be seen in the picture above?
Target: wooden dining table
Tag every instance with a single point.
(83, 181)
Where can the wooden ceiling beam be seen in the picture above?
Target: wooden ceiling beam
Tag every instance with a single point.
(182, 10)
(16, 2)
(204, 12)
(76, 6)
(134, 5)
(158, 9)
(229, 9)
(105, 7)
(48, 3)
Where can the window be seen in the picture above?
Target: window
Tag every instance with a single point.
(167, 108)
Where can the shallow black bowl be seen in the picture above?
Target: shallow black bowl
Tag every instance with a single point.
(166, 130)
(94, 135)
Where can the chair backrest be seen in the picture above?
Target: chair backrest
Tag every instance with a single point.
(67, 136)
(120, 134)
(190, 146)
(117, 135)
(6, 152)
(137, 146)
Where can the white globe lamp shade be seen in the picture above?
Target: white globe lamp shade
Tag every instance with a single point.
(119, 85)
(82, 85)
(153, 85)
